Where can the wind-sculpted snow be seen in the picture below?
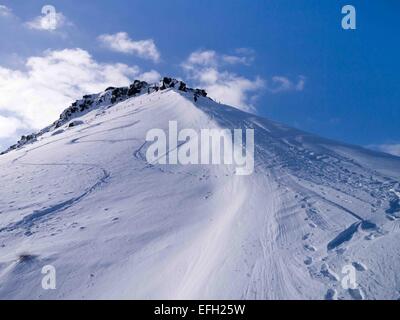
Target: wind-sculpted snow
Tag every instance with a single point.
(81, 196)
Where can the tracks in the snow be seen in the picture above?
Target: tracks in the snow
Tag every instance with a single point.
(38, 215)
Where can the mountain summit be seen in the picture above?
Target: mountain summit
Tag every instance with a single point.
(317, 219)
(107, 98)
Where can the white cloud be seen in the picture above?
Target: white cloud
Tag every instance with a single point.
(50, 20)
(235, 59)
(393, 149)
(120, 42)
(9, 126)
(202, 58)
(49, 83)
(283, 84)
(204, 67)
(209, 69)
(150, 76)
(231, 89)
(5, 11)
(210, 58)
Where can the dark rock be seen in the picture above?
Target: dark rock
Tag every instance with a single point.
(89, 102)
(182, 86)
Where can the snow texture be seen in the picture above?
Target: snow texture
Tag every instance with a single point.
(80, 196)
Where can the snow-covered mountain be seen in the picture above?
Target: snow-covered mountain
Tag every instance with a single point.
(80, 196)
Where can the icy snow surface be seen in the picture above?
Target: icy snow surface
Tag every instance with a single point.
(83, 199)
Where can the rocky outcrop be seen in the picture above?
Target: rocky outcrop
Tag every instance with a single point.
(109, 97)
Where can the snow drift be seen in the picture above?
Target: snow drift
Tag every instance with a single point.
(80, 196)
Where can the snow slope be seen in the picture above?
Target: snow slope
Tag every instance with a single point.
(83, 199)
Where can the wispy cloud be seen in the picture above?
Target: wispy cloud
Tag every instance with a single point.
(212, 71)
(5, 11)
(121, 42)
(210, 58)
(393, 149)
(49, 83)
(150, 76)
(204, 58)
(232, 59)
(209, 70)
(9, 126)
(283, 84)
(50, 20)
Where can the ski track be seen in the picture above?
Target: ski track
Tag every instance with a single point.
(28, 221)
(279, 234)
(39, 215)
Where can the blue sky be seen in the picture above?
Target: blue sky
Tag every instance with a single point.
(288, 60)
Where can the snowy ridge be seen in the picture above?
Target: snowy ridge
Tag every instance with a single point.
(106, 99)
(83, 199)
